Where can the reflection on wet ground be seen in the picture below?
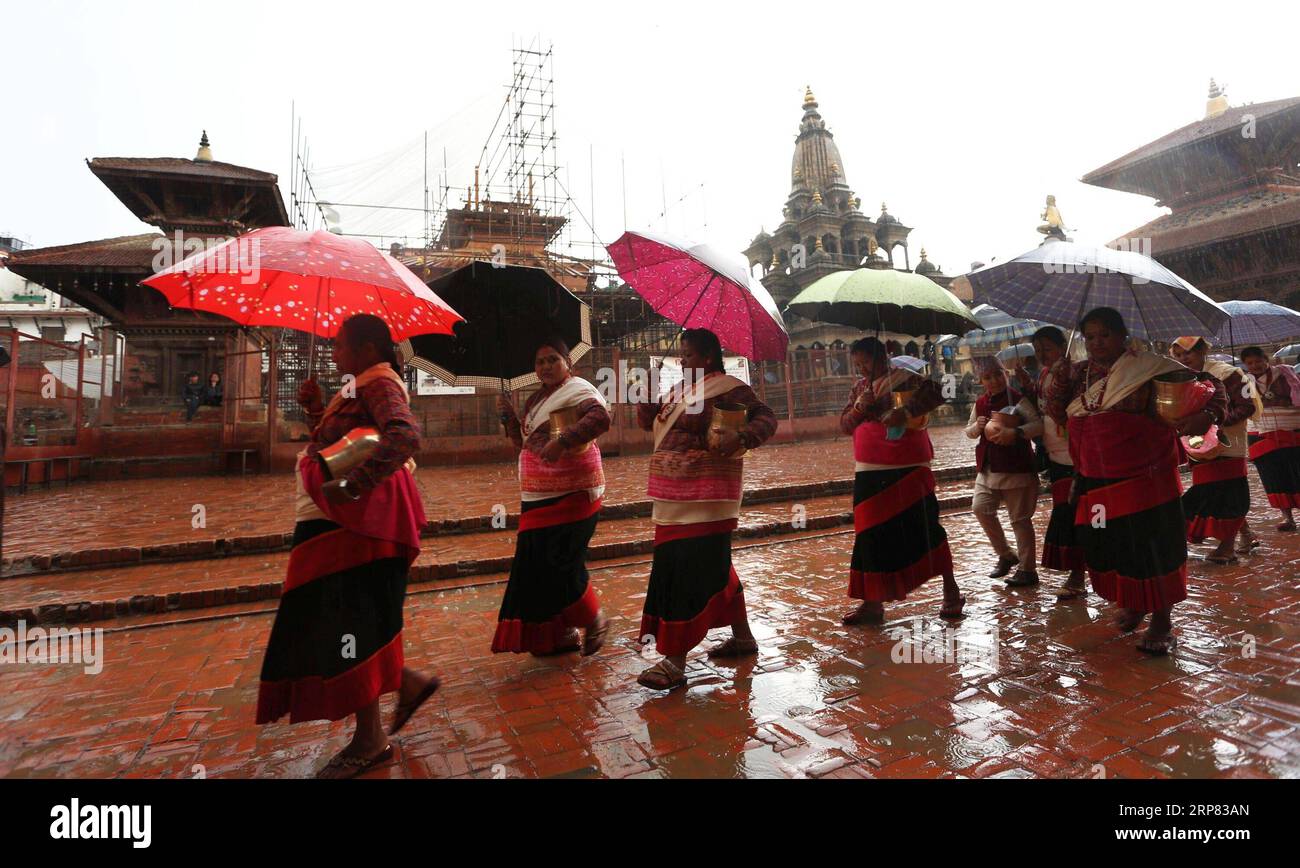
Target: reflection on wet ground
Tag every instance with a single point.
(1021, 688)
(139, 512)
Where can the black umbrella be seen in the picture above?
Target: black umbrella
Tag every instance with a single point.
(508, 310)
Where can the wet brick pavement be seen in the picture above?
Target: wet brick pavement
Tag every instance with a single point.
(1064, 696)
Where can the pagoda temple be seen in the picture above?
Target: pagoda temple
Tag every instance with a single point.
(187, 200)
(824, 230)
(1232, 183)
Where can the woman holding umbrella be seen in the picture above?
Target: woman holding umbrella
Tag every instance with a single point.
(1275, 438)
(336, 644)
(1129, 518)
(548, 597)
(1219, 500)
(900, 544)
(695, 483)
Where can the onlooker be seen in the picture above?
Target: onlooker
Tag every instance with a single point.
(192, 395)
(213, 392)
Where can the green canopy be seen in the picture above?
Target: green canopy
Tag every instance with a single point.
(882, 299)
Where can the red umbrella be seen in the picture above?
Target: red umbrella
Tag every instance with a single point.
(307, 281)
(698, 286)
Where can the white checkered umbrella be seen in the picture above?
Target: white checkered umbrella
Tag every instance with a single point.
(1061, 281)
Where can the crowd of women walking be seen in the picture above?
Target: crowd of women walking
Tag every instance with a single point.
(1118, 515)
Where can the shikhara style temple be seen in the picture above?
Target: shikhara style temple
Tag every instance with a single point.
(191, 201)
(1232, 183)
(824, 230)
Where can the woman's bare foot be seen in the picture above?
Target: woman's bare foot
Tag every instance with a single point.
(1072, 589)
(1129, 620)
(867, 613)
(952, 608)
(1159, 638)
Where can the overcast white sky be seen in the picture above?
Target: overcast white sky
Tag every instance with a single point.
(961, 116)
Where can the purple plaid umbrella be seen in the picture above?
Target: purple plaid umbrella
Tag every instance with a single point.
(698, 286)
(1257, 322)
(1061, 281)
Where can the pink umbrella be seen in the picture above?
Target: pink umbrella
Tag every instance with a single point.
(307, 281)
(698, 286)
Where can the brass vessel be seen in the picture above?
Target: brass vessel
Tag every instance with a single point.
(352, 450)
(914, 422)
(727, 417)
(566, 418)
(1174, 394)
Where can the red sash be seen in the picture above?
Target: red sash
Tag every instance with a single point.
(1208, 472)
(1119, 445)
(576, 507)
(900, 496)
(1274, 440)
(1156, 487)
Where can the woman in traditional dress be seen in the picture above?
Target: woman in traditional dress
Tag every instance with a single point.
(1004, 461)
(695, 483)
(1129, 516)
(561, 482)
(1218, 502)
(336, 644)
(1060, 548)
(900, 544)
(1275, 435)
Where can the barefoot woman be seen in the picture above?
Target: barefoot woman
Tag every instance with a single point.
(1218, 502)
(561, 482)
(1275, 435)
(336, 644)
(695, 483)
(1129, 516)
(900, 544)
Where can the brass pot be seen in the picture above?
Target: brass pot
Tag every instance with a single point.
(727, 417)
(1174, 393)
(913, 422)
(566, 418)
(352, 450)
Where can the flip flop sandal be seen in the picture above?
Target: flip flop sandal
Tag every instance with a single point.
(662, 676)
(858, 617)
(734, 647)
(1223, 562)
(405, 710)
(953, 611)
(1070, 594)
(595, 637)
(355, 765)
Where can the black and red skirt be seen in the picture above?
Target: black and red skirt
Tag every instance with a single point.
(900, 544)
(549, 592)
(1060, 548)
(336, 644)
(1276, 455)
(1217, 503)
(693, 586)
(1133, 538)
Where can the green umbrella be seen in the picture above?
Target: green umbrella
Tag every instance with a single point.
(882, 299)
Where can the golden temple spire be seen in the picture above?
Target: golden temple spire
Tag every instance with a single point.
(1217, 103)
(205, 150)
(809, 101)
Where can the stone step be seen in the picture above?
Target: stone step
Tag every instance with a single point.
(116, 592)
(204, 549)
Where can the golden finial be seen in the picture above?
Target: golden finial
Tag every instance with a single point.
(808, 98)
(817, 197)
(205, 151)
(819, 245)
(776, 262)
